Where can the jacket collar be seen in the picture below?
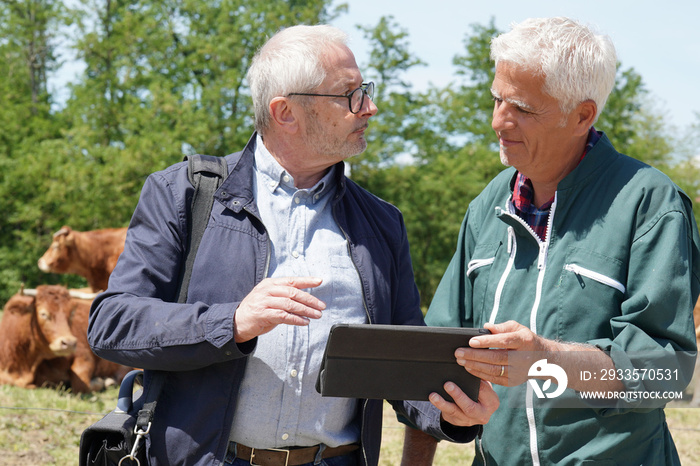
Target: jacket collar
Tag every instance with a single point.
(236, 192)
(596, 161)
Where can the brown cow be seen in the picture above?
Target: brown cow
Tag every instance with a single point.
(33, 329)
(83, 370)
(91, 254)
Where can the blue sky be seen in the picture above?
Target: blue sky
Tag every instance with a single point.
(660, 40)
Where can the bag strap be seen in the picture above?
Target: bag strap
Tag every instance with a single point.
(151, 394)
(205, 172)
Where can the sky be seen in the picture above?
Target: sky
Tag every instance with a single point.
(660, 40)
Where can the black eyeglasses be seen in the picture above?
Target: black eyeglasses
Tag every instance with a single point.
(356, 98)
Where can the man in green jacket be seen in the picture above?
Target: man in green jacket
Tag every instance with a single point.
(582, 262)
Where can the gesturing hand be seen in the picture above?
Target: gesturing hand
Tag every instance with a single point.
(276, 301)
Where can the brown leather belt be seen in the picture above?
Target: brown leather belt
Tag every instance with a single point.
(293, 457)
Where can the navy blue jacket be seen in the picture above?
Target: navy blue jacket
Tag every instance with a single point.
(136, 322)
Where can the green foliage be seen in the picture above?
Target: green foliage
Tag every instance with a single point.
(27, 54)
(161, 80)
(399, 110)
(433, 198)
(428, 153)
(167, 78)
(630, 124)
(687, 171)
(469, 104)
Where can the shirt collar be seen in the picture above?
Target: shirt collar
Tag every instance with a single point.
(273, 175)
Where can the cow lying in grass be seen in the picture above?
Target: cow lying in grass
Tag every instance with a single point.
(33, 329)
(83, 371)
(77, 367)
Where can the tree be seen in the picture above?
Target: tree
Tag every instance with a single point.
(389, 59)
(27, 57)
(162, 79)
(427, 153)
(453, 150)
(468, 105)
(631, 122)
(166, 78)
(685, 168)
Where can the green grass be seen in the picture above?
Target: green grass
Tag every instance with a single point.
(49, 431)
(43, 426)
(448, 454)
(683, 421)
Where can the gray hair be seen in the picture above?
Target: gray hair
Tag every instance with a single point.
(577, 63)
(291, 61)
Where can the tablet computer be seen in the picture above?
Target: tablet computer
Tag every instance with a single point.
(394, 362)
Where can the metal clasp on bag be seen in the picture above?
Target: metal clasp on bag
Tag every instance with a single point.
(140, 434)
(252, 456)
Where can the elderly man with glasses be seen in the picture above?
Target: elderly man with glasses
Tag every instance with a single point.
(291, 248)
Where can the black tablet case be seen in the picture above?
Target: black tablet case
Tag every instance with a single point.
(394, 362)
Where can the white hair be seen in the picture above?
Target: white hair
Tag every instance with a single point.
(577, 63)
(291, 61)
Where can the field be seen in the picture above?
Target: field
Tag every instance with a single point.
(43, 426)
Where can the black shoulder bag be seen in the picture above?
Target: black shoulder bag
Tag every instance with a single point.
(117, 438)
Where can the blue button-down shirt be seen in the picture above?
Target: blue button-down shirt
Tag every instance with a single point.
(278, 404)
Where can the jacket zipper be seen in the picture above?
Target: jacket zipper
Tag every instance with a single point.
(364, 296)
(598, 277)
(530, 412)
(227, 429)
(541, 267)
(369, 319)
(481, 446)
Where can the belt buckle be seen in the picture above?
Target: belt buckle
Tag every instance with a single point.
(252, 456)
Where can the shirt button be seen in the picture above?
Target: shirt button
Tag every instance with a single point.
(285, 436)
(297, 200)
(295, 254)
(272, 184)
(285, 178)
(293, 373)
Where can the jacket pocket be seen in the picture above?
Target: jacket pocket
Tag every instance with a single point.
(484, 280)
(478, 263)
(598, 277)
(591, 291)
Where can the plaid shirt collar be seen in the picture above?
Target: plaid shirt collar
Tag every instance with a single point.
(523, 195)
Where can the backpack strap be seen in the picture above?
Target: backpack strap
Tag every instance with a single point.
(206, 173)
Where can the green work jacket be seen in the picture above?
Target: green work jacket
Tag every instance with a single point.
(618, 269)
